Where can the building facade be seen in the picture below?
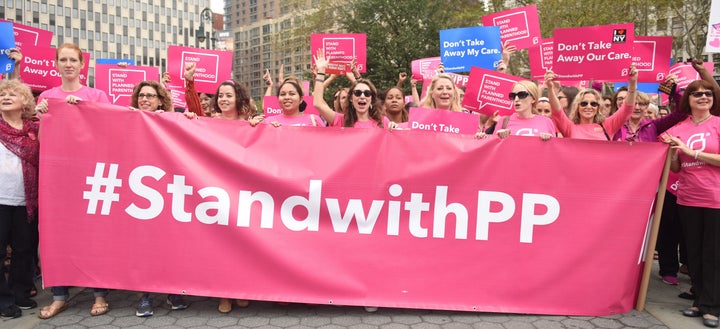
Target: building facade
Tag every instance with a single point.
(140, 30)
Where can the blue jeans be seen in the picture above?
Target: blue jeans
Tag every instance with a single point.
(62, 293)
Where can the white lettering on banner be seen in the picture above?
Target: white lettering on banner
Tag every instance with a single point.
(216, 204)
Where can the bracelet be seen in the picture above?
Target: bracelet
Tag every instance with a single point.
(697, 153)
(319, 80)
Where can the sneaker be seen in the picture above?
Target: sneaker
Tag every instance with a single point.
(671, 280)
(25, 303)
(144, 308)
(10, 312)
(371, 309)
(176, 302)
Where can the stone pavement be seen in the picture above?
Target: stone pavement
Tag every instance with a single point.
(662, 311)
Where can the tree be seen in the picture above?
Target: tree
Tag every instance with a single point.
(399, 31)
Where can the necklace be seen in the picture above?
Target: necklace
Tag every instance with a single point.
(701, 120)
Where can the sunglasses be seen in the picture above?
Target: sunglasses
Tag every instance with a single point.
(593, 104)
(357, 93)
(698, 94)
(521, 95)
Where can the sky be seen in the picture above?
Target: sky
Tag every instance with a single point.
(217, 6)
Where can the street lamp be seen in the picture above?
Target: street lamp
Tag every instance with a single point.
(206, 16)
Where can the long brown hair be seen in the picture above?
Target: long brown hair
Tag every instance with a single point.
(374, 111)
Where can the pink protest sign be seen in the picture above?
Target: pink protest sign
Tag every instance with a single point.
(39, 71)
(425, 68)
(211, 66)
(487, 92)
(593, 52)
(686, 73)
(519, 27)
(652, 58)
(119, 82)
(177, 94)
(443, 121)
(30, 36)
(271, 106)
(541, 58)
(341, 48)
(459, 79)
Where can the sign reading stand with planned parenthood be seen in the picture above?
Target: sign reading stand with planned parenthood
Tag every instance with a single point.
(519, 27)
(465, 47)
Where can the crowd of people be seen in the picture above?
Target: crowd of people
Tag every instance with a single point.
(691, 213)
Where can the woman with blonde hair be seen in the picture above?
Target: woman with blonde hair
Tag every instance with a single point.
(442, 94)
(524, 122)
(19, 159)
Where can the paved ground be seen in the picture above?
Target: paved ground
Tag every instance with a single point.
(662, 311)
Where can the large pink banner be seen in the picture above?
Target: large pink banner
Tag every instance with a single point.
(518, 26)
(119, 82)
(271, 106)
(39, 72)
(593, 52)
(155, 202)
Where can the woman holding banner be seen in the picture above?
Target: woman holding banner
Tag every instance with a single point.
(395, 105)
(696, 142)
(290, 98)
(69, 63)
(19, 160)
(150, 96)
(442, 94)
(363, 106)
(586, 121)
(524, 121)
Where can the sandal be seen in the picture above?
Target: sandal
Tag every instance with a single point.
(225, 306)
(50, 311)
(242, 303)
(99, 309)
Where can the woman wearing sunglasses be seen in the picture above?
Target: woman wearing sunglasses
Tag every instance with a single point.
(363, 106)
(585, 120)
(524, 122)
(696, 141)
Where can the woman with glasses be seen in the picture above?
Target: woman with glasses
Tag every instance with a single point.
(696, 142)
(69, 62)
(363, 106)
(585, 120)
(524, 122)
(150, 96)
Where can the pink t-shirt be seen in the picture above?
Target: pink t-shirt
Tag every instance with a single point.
(532, 126)
(296, 120)
(699, 182)
(592, 130)
(339, 117)
(85, 93)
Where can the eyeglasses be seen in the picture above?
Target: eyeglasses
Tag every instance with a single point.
(698, 94)
(520, 94)
(593, 104)
(148, 96)
(357, 93)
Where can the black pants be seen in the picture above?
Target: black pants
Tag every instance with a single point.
(23, 239)
(702, 237)
(669, 236)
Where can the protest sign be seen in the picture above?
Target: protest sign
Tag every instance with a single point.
(7, 42)
(39, 71)
(541, 58)
(26, 35)
(443, 121)
(712, 42)
(487, 92)
(686, 73)
(519, 26)
(465, 47)
(119, 82)
(271, 106)
(210, 70)
(340, 49)
(425, 68)
(652, 58)
(593, 52)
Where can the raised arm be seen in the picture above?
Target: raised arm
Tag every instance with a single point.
(15, 55)
(191, 96)
(319, 89)
(562, 123)
(402, 76)
(268, 82)
(414, 91)
(613, 123)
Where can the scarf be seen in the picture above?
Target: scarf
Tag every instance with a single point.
(25, 145)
